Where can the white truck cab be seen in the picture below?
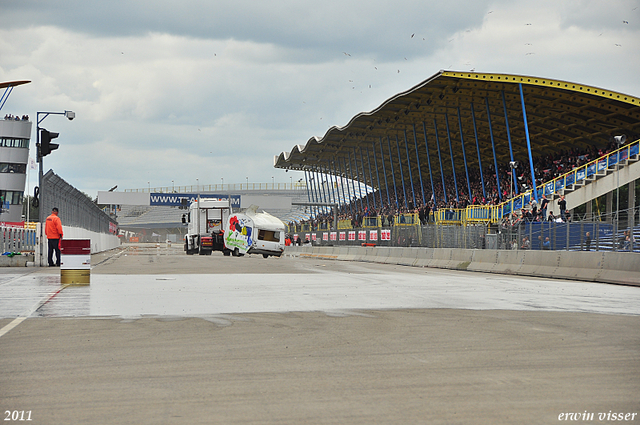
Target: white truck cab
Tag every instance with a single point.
(205, 226)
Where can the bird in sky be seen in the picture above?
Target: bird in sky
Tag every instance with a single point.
(346, 54)
(619, 45)
(412, 35)
(625, 22)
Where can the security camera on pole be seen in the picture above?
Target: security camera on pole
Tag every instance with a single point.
(44, 147)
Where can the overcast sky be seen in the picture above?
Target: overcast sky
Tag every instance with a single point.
(191, 89)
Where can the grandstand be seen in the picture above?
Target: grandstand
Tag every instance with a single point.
(475, 148)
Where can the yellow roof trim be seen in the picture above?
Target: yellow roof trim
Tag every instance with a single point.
(545, 82)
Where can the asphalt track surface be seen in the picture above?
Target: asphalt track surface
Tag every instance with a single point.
(163, 338)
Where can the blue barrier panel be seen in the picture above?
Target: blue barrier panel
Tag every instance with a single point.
(557, 234)
(623, 154)
(548, 188)
(517, 204)
(602, 164)
(570, 179)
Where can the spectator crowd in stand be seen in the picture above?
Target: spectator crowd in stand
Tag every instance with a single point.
(547, 168)
(10, 117)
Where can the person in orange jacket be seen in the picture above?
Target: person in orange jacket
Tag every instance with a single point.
(53, 230)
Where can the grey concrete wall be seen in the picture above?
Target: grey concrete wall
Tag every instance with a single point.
(608, 267)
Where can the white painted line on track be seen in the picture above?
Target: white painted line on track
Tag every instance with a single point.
(15, 322)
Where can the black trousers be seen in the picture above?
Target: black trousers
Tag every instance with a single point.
(54, 245)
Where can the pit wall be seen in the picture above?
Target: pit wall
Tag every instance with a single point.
(608, 267)
(99, 241)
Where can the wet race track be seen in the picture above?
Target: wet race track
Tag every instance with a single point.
(162, 281)
(213, 339)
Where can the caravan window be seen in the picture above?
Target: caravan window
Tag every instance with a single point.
(269, 235)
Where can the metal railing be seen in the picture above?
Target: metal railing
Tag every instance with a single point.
(194, 188)
(577, 236)
(577, 176)
(16, 239)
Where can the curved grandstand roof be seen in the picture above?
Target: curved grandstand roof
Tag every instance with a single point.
(560, 115)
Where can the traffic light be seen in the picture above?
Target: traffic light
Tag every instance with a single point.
(45, 142)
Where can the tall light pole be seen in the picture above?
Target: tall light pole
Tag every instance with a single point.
(39, 155)
(619, 142)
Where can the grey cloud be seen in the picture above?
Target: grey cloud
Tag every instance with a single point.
(380, 28)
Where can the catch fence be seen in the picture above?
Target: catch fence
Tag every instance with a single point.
(75, 208)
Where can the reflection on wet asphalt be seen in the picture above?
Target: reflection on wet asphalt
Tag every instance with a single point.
(198, 295)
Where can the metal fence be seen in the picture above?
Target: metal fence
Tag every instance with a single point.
(16, 239)
(578, 236)
(76, 208)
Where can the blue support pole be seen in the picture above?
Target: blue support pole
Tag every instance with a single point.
(347, 184)
(357, 178)
(326, 185)
(475, 132)
(384, 171)
(395, 190)
(444, 188)
(453, 166)
(330, 186)
(318, 189)
(313, 194)
(404, 190)
(493, 146)
(338, 187)
(364, 178)
(464, 155)
(426, 145)
(406, 148)
(353, 184)
(306, 179)
(322, 181)
(526, 132)
(415, 140)
(371, 179)
(344, 196)
(514, 181)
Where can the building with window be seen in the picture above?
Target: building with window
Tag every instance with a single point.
(15, 135)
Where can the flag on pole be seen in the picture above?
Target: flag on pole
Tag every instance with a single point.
(32, 164)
